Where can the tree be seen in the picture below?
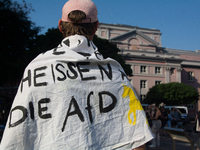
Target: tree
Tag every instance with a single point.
(16, 32)
(44, 42)
(172, 94)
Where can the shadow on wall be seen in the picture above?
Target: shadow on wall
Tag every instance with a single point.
(185, 79)
(194, 83)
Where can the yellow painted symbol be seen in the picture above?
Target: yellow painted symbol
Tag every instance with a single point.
(133, 105)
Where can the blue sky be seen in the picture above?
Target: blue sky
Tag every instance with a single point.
(177, 20)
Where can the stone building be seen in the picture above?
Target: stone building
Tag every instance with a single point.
(151, 63)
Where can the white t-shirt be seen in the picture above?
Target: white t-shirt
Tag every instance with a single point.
(71, 98)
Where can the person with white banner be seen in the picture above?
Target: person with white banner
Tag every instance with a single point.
(71, 98)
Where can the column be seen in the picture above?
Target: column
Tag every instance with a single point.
(178, 74)
(108, 33)
(162, 70)
(133, 67)
(167, 74)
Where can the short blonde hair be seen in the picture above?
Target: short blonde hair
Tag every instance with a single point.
(74, 27)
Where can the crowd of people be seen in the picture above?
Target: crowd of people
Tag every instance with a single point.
(159, 117)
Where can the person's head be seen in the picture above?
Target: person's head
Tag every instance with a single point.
(149, 107)
(168, 111)
(79, 17)
(162, 108)
(153, 107)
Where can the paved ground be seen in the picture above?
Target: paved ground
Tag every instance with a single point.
(167, 143)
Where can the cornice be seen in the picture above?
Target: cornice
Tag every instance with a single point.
(152, 59)
(185, 52)
(147, 38)
(148, 75)
(124, 34)
(125, 27)
(190, 63)
(147, 52)
(155, 65)
(132, 32)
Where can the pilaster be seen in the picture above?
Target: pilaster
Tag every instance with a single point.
(167, 74)
(178, 74)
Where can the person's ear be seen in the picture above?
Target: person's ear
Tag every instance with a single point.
(60, 25)
(96, 24)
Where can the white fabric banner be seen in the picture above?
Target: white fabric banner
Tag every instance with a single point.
(72, 98)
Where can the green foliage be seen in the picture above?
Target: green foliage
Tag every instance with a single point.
(44, 42)
(172, 94)
(16, 31)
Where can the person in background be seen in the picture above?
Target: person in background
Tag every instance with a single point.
(148, 114)
(70, 97)
(156, 125)
(170, 118)
(176, 114)
(177, 117)
(147, 111)
(197, 118)
(164, 119)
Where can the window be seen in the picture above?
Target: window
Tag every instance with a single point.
(182, 110)
(143, 84)
(103, 33)
(157, 70)
(172, 71)
(190, 76)
(190, 106)
(143, 69)
(157, 82)
(142, 97)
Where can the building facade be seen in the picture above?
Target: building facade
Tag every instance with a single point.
(151, 63)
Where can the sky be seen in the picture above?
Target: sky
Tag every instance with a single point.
(177, 20)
